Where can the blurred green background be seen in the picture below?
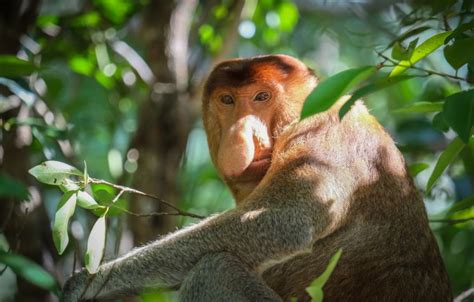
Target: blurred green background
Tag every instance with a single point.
(116, 84)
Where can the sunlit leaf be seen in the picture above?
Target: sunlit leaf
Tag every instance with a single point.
(466, 213)
(12, 188)
(115, 10)
(371, 88)
(206, 33)
(462, 204)
(423, 50)
(401, 53)
(89, 19)
(458, 111)
(421, 107)
(315, 289)
(446, 158)
(82, 65)
(288, 13)
(29, 271)
(65, 210)
(12, 66)
(45, 20)
(53, 172)
(460, 52)
(330, 90)
(84, 200)
(415, 169)
(95, 246)
(67, 185)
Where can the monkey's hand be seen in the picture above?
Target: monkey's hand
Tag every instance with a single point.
(75, 287)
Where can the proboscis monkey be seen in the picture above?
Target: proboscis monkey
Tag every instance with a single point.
(303, 191)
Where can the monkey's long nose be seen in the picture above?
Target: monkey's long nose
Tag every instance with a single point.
(244, 141)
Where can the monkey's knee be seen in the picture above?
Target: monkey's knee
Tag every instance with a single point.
(223, 277)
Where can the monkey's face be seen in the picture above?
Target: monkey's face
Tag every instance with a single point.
(245, 116)
(247, 103)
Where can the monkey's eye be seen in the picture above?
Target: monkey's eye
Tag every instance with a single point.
(227, 99)
(262, 96)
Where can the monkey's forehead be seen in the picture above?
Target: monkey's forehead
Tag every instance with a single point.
(240, 72)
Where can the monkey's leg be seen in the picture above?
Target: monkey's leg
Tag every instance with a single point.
(223, 277)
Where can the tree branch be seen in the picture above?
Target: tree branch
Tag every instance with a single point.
(123, 189)
(428, 71)
(452, 221)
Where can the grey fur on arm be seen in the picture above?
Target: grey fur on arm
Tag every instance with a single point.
(255, 234)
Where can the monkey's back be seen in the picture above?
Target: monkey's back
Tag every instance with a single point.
(389, 252)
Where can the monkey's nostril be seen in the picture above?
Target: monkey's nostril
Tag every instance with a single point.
(263, 154)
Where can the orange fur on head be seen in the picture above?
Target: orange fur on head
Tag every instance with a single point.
(241, 127)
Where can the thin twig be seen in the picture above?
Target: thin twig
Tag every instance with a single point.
(428, 71)
(152, 214)
(123, 189)
(118, 196)
(452, 221)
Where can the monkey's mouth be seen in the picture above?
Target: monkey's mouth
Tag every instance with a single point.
(257, 168)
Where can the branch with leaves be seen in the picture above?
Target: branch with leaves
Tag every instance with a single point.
(75, 185)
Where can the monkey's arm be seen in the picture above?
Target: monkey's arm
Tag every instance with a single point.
(255, 233)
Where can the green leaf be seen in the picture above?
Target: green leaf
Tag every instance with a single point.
(445, 159)
(439, 122)
(65, 210)
(408, 34)
(421, 52)
(12, 66)
(84, 200)
(460, 52)
(206, 33)
(315, 289)
(12, 188)
(115, 10)
(288, 13)
(458, 111)
(29, 271)
(82, 65)
(462, 204)
(90, 19)
(466, 213)
(417, 168)
(103, 197)
(421, 107)
(401, 53)
(459, 30)
(68, 185)
(371, 88)
(316, 293)
(53, 172)
(95, 246)
(330, 90)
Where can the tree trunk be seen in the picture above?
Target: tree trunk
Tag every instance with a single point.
(26, 233)
(166, 118)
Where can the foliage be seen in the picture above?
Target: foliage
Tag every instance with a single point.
(29, 270)
(315, 289)
(79, 80)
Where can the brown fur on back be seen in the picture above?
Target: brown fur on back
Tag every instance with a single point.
(389, 252)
